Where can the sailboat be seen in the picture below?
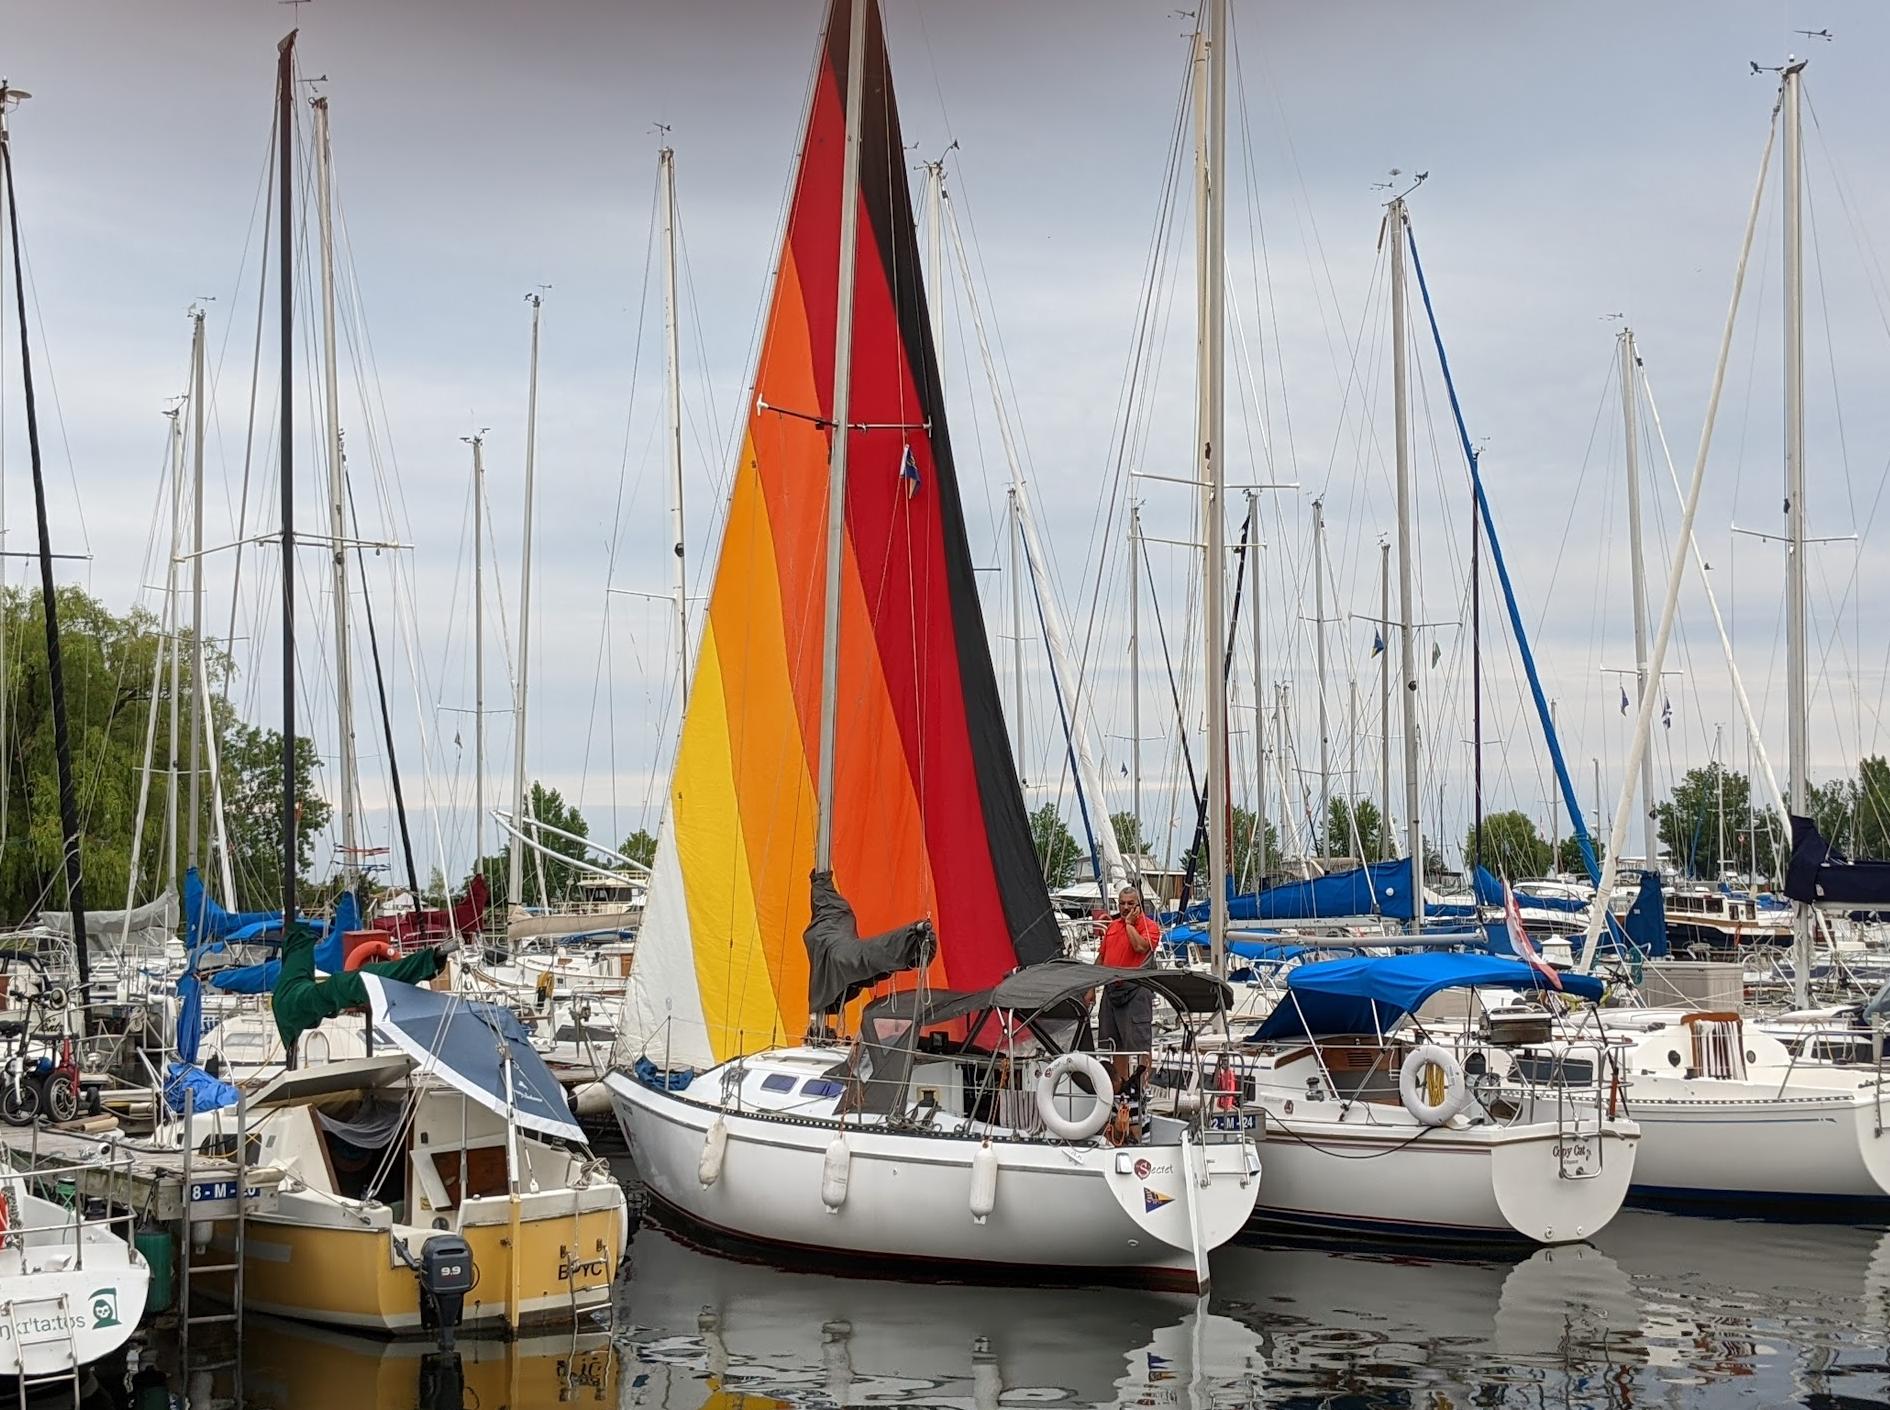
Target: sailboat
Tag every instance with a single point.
(843, 724)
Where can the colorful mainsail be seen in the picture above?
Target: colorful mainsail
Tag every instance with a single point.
(928, 820)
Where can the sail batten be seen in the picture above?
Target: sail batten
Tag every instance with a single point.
(928, 820)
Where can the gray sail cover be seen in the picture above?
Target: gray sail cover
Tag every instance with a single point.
(151, 924)
(479, 1049)
(839, 963)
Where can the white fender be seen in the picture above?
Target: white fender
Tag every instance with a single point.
(984, 1174)
(714, 1143)
(1101, 1102)
(592, 1099)
(1411, 1086)
(833, 1174)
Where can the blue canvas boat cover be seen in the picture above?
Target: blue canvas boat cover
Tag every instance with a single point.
(1646, 923)
(206, 922)
(1381, 889)
(1820, 875)
(471, 1046)
(1367, 995)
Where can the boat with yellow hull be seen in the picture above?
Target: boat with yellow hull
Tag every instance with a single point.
(383, 1159)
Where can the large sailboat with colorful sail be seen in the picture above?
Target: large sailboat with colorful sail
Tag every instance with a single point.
(844, 770)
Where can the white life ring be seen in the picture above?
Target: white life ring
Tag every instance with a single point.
(1412, 1087)
(1102, 1098)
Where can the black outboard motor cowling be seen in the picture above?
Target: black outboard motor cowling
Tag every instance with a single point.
(446, 1274)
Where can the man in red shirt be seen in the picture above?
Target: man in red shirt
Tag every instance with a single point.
(1126, 1017)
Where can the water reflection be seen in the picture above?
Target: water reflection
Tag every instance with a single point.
(292, 1366)
(1665, 1311)
(702, 1326)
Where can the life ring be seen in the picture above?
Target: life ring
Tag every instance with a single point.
(1413, 1088)
(1102, 1096)
(367, 952)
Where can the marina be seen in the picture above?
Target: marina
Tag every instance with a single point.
(1111, 803)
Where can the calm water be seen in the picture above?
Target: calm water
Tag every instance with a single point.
(1663, 1311)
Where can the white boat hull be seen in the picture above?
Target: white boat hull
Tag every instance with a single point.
(1481, 1183)
(1133, 1212)
(1771, 1149)
(60, 1308)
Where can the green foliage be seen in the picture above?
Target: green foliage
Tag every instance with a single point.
(251, 761)
(1512, 847)
(1128, 832)
(1056, 849)
(1873, 807)
(639, 846)
(545, 880)
(1707, 805)
(1352, 828)
(1243, 855)
(1568, 855)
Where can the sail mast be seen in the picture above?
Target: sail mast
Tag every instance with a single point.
(666, 163)
(1407, 647)
(1213, 463)
(516, 894)
(171, 621)
(337, 492)
(1796, 710)
(198, 396)
(1384, 700)
(55, 672)
(1259, 722)
(837, 454)
(285, 317)
(478, 443)
(1638, 577)
(1135, 667)
(1319, 650)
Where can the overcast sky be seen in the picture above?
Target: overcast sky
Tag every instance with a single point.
(1583, 161)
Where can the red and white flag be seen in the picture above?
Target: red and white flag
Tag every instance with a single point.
(1520, 942)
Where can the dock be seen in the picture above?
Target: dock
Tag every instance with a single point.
(159, 1183)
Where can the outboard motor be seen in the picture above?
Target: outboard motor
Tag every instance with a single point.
(446, 1274)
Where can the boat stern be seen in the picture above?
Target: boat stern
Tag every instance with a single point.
(1564, 1186)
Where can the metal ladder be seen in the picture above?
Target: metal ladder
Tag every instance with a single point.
(187, 1268)
(68, 1374)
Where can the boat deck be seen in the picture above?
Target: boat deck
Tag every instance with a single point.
(157, 1182)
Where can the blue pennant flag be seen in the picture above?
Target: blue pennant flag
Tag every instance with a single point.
(909, 472)
(1666, 712)
(1624, 700)
(1378, 643)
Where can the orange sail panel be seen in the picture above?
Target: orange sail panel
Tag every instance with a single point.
(928, 817)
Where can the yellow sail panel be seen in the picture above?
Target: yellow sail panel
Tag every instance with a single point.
(738, 1002)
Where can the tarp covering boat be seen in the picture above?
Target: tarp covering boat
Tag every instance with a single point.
(1367, 995)
(1646, 922)
(479, 1049)
(206, 922)
(840, 964)
(1381, 889)
(152, 924)
(927, 817)
(1820, 875)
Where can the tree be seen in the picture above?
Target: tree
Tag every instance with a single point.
(1710, 805)
(252, 812)
(1568, 854)
(1241, 854)
(1873, 807)
(1511, 845)
(1128, 832)
(1352, 828)
(1056, 849)
(639, 846)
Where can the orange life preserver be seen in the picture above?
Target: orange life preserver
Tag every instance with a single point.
(366, 953)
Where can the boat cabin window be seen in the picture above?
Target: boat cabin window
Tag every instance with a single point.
(777, 1082)
(820, 1087)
